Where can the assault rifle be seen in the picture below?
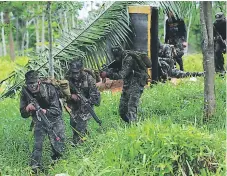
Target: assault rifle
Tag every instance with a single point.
(86, 104)
(112, 65)
(40, 114)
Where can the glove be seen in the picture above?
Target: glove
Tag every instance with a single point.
(44, 111)
(74, 97)
(185, 44)
(30, 108)
(103, 75)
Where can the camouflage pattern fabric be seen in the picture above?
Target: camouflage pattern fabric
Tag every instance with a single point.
(134, 78)
(166, 65)
(219, 50)
(48, 99)
(178, 44)
(176, 34)
(80, 115)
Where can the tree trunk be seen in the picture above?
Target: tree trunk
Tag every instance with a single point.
(66, 22)
(17, 34)
(208, 58)
(164, 25)
(188, 32)
(73, 20)
(22, 45)
(11, 42)
(27, 36)
(1, 52)
(51, 61)
(3, 36)
(43, 31)
(37, 35)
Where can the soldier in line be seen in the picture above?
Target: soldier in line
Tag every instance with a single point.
(219, 41)
(81, 81)
(134, 76)
(47, 98)
(176, 35)
(166, 65)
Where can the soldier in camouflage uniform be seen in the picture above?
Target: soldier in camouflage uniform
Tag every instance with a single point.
(47, 98)
(176, 35)
(166, 64)
(86, 84)
(219, 41)
(134, 78)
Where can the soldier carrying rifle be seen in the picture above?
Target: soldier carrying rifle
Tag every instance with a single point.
(84, 95)
(41, 101)
(219, 41)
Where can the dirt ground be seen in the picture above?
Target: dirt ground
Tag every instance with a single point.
(116, 85)
(112, 85)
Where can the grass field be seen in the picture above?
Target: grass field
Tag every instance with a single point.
(169, 139)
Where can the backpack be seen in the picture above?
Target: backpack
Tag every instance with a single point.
(142, 59)
(62, 86)
(93, 73)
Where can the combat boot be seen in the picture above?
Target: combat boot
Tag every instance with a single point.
(132, 117)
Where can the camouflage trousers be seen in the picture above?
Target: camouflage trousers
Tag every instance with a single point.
(178, 44)
(129, 101)
(181, 74)
(78, 122)
(57, 146)
(218, 56)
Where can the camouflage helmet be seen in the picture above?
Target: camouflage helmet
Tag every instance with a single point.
(76, 65)
(219, 16)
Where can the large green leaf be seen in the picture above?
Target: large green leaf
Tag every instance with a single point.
(111, 23)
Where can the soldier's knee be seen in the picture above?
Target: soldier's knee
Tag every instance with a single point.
(38, 146)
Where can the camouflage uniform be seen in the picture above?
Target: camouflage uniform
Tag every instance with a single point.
(219, 46)
(176, 35)
(166, 64)
(80, 115)
(134, 78)
(47, 98)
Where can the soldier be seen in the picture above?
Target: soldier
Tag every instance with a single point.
(47, 98)
(176, 35)
(134, 77)
(166, 64)
(219, 41)
(86, 84)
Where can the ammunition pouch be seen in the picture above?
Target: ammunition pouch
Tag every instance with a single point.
(64, 88)
(141, 78)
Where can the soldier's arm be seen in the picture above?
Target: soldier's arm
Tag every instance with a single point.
(126, 69)
(167, 32)
(55, 108)
(23, 105)
(183, 28)
(93, 92)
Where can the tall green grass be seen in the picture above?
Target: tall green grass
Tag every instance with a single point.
(170, 138)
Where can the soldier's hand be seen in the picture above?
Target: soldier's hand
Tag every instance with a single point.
(185, 44)
(30, 108)
(103, 75)
(74, 97)
(44, 111)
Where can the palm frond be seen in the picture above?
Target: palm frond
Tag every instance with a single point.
(110, 26)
